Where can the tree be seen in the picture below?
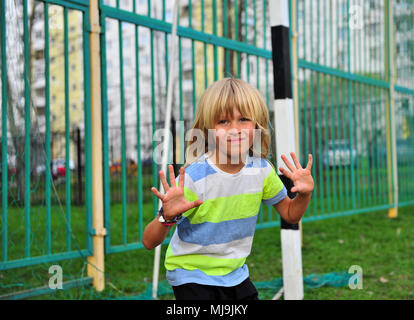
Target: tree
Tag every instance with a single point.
(15, 110)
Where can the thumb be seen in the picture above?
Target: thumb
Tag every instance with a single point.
(195, 203)
(198, 202)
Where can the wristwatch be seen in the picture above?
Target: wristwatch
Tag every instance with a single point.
(162, 219)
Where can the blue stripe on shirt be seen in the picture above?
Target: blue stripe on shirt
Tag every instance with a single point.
(277, 198)
(199, 170)
(180, 276)
(256, 163)
(208, 233)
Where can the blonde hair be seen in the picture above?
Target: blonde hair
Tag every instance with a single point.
(219, 99)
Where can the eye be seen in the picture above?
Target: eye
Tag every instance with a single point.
(222, 121)
(244, 119)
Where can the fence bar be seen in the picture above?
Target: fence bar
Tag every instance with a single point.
(351, 115)
(316, 191)
(332, 108)
(204, 44)
(193, 76)
(358, 128)
(383, 143)
(322, 187)
(123, 138)
(376, 114)
(139, 164)
(332, 137)
(4, 160)
(153, 119)
(106, 175)
(293, 17)
(390, 101)
(373, 104)
(48, 176)
(336, 163)
(180, 87)
(343, 74)
(88, 134)
(325, 113)
(26, 129)
(31, 261)
(341, 135)
(361, 178)
(179, 151)
(215, 52)
(265, 26)
(45, 290)
(67, 131)
(305, 99)
(96, 261)
(246, 39)
(380, 122)
(225, 35)
(255, 44)
(267, 208)
(367, 145)
(371, 123)
(236, 35)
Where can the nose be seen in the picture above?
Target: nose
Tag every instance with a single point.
(235, 127)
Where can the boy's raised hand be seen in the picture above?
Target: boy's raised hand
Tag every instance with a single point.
(301, 178)
(174, 201)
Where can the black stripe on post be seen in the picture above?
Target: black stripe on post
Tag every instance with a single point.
(289, 185)
(282, 83)
(282, 86)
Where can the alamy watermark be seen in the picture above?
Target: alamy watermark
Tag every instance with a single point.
(238, 142)
(355, 281)
(55, 281)
(356, 17)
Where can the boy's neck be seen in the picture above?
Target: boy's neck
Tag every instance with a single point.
(228, 166)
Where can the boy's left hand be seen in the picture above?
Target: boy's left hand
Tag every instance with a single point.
(301, 178)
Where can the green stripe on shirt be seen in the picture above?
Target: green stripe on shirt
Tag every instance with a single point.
(226, 208)
(209, 265)
(272, 185)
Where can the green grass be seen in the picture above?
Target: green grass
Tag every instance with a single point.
(381, 246)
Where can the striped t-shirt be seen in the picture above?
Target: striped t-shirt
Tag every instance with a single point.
(211, 242)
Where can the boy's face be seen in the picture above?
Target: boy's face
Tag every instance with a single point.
(234, 134)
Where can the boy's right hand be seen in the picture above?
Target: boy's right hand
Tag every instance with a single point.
(174, 201)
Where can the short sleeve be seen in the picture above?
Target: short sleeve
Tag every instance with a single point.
(274, 190)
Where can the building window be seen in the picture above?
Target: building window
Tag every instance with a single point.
(39, 54)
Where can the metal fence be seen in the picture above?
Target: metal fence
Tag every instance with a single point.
(353, 71)
(27, 121)
(353, 76)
